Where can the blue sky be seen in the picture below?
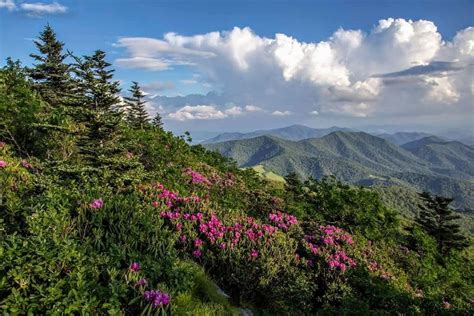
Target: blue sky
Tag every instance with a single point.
(87, 25)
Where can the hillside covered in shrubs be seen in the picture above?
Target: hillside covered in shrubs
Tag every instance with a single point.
(103, 211)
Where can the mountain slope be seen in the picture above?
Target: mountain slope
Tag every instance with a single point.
(360, 158)
(403, 137)
(446, 157)
(293, 132)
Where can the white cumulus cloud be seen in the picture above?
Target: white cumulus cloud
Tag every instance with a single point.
(399, 67)
(40, 8)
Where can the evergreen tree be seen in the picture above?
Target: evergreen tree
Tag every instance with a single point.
(51, 73)
(157, 121)
(293, 183)
(137, 116)
(437, 219)
(98, 103)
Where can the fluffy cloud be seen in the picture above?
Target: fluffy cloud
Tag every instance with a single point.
(207, 112)
(400, 67)
(40, 9)
(7, 4)
(253, 108)
(281, 113)
(36, 9)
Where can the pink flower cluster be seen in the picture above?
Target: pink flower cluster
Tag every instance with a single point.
(157, 298)
(212, 233)
(3, 164)
(196, 177)
(172, 199)
(340, 260)
(282, 220)
(96, 204)
(135, 267)
(212, 229)
(329, 245)
(333, 235)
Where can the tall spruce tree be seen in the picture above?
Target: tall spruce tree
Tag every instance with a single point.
(437, 219)
(137, 116)
(98, 104)
(50, 72)
(157, 121)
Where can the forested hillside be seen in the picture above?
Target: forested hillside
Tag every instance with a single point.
(401, 138)
(427, 164)
(102, 211)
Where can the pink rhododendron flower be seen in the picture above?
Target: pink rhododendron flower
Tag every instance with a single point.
(197, 243)
(96, 204)
(157, 298)
(254, 253)
(197, 253)
(135, 266)
(3, 163)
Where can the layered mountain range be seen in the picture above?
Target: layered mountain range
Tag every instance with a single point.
(424, 163)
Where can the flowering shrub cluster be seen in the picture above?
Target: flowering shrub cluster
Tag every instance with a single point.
(197, 178)
(157, 298)
(329, 243)
(283, 221)
(214, 235)
(170, 199)
(208, 231)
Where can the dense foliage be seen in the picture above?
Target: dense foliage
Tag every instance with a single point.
(101, 214)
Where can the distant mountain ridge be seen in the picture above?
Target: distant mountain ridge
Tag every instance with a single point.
(293, 132)
(401, 138)
(429, 163)
(451, 158)
(300, 132)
